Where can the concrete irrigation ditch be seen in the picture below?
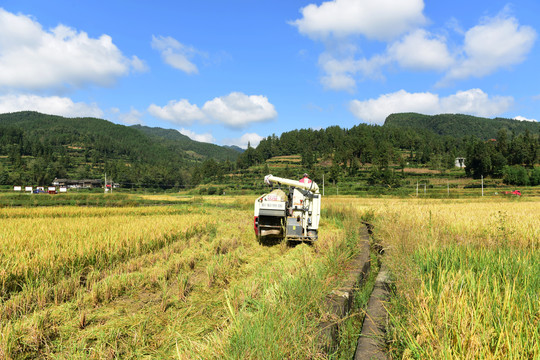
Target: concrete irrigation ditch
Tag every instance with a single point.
(339, 302)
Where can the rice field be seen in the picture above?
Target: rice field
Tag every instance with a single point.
(178, 281)
(466, 277)
(189, 280)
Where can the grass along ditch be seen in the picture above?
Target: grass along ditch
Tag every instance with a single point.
(465, 277)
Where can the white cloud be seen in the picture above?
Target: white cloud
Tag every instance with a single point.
(496, 43)
(253, 139)
(376, 110)
(473, 102)
(381, 20)
(206, 137)
(175, 54)
(178, 112)
(238, 110)
(341, 74)
(522, 118)
(420, 50)
(339, 81)
(53, 105)
(133, 117)
(34, 58)
(138, 64)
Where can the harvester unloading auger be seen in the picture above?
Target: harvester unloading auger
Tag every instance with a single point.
(293, 216)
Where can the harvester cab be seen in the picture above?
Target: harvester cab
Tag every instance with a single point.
(293, 216)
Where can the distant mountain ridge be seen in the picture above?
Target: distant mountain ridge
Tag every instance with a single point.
(459, 125)
(235, 148)
(79, 130)
(180, 142)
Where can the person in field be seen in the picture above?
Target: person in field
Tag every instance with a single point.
(305, 179)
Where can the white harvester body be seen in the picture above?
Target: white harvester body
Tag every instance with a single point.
(294, 216)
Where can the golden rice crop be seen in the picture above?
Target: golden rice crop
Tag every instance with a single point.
(36, 249)
(467, 277)
(190, 280)
(163, 281)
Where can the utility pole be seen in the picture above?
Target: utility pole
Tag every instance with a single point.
(323, 184)
(482, 185)
(105, 187)
(417, 189)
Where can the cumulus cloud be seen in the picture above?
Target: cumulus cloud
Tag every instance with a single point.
(206, 137)
(176, 54)
(522, 118)
(381, 20)
(33, 58)
(178, 112)
(496, 43)
(341, 73)
(420, 50)
(342, 20)
(252, 138)
(53, 105)
(236, 110)
(473, 102)
(133, 117)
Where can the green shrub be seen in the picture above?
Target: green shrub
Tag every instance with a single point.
(534, 178)
(515, 175)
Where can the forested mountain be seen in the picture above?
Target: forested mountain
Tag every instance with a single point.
(362, 144)
(235, 148)
(37, 148)
(488, 145)
(176, 141)
(458, 125)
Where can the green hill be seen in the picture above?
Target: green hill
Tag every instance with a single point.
(458, 125)
(235, 148)
(36, 148)
(176, 141)
(491, 147)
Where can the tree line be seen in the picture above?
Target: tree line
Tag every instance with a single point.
(36, 148)
(511, 158)
(382, 146)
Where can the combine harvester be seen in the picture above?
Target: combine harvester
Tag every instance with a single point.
(293, 216)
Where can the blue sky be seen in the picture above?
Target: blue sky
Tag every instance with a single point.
(230, 72)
